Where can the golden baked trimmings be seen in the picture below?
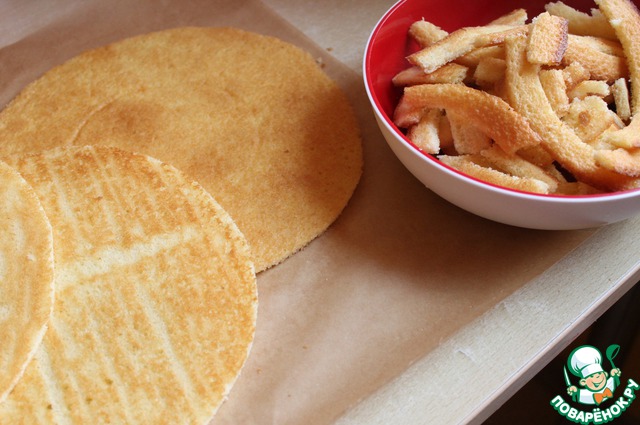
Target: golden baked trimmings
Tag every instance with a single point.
(569, 77)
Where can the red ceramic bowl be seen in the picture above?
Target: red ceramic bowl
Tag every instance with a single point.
(385, 54)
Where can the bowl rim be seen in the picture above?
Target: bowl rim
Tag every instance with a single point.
(399, 135)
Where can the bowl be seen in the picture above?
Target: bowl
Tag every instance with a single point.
(384, 57)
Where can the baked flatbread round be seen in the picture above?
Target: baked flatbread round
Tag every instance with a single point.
(26, 276)
(155, 294)
(253, 119)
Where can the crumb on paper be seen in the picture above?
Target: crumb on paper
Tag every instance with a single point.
(467, 353)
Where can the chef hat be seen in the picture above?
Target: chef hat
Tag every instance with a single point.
(585, 361)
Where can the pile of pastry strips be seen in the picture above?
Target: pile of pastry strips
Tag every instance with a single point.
(543, 106)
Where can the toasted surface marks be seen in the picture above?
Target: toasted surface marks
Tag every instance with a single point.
(156, 296)
(26, 276)
(252, 118)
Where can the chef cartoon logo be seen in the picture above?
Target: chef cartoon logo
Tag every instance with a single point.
(590, 382)
(596, 384)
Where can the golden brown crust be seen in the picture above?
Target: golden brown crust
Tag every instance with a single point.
(517, 166)
(449, 73)
(253, 119)
(620, 160)
(565, 74)
(473, 166)
(555, 88)
(574, 74)
(156, 294)
(582, 23)
(489, 71)
(587, 88)
(528, 97)
(467, 139)
(459, 43)
(547, 40)
(625, 20)
(474, 57)
(590, 117)
(601, 65)
(424, 134)
(425, 33)
(515, 17)
(506, 127)
(620, 92)
(26, 276)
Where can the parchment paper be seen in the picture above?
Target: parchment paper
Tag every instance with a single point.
(398, 273)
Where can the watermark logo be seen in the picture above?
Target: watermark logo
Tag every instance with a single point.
(597, 391)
